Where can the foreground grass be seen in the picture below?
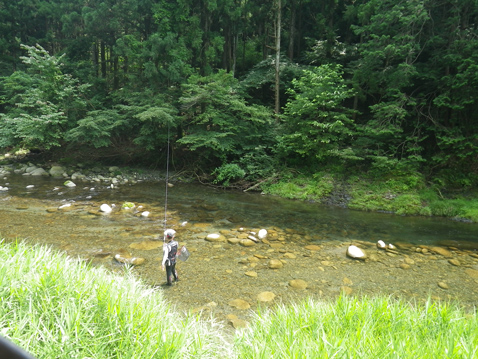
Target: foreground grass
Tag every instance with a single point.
(56, 307)
(366, 328)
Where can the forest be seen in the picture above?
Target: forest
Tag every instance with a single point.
(245, 89)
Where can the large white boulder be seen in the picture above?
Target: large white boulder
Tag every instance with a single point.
(105, 208)
(356, 252)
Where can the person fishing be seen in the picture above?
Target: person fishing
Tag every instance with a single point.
(170, 249)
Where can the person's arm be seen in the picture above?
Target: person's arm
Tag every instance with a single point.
(165, 254)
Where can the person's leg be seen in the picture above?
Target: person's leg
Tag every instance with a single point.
(175, 272)
(169, 273)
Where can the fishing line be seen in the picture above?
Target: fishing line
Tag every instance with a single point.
(167, 180)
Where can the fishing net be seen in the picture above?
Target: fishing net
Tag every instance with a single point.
(183, 254)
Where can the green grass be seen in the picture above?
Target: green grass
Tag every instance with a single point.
(365, 328)
(59, 307)
(314, 188)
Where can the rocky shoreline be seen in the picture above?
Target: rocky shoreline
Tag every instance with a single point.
(113, 175)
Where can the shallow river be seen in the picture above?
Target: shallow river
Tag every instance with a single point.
(220, 277)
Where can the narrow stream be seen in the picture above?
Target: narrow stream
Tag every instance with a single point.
(219, 273)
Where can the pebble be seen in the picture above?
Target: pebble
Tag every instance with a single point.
(246, 243)
(266, 297)
(443, 285)
(298, 284)
(346, 290)
(233, 240)
(313, 247)
(239, 304)
(473, 273)
(442, 251)
(275, 264)
(454, 262)
(215, 237)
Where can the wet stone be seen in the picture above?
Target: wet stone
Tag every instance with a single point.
(442, 251)
(238, 323)
(247, 243)
(454, 262)
(275, 264)
(443, 285)
(298, 284)
(215, 237)
(239, 304)
(346, 290)
(313, 247)
(233, 240)
(265, 297)
(473, 273)
(136, 261)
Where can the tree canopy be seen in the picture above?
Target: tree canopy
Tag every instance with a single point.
(364, 83)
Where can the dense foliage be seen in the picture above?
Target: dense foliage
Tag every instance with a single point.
(374, 85)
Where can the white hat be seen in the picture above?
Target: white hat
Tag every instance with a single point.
(169, 233)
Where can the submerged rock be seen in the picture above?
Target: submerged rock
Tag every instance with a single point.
(275, 264)
(136, 261)
(266, 297)
(215, 237)
(247, 243)
(298, 284)
(442, 251)
(239, 304)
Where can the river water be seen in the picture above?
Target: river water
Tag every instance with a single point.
(218, 275)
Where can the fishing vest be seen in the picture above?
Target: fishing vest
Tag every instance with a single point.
(173, 249)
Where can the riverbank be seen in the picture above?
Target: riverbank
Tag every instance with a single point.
(56, 306)
(404, 193)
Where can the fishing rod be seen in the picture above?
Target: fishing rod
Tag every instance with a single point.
(167, 183)
(182, 253)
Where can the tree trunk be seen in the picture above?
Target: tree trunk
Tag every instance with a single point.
(292, 31)
(277, 62)
(103, 59)
(94, 57)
